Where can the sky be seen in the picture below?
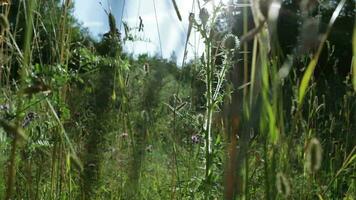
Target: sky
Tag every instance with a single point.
(91, 13)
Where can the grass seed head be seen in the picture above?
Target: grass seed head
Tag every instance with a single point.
(4, 2)
(283, 185)
(313, 155)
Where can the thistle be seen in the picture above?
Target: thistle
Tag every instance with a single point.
(112, 22)
(231, 42)
(204, 16)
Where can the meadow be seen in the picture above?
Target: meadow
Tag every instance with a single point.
(267, 111)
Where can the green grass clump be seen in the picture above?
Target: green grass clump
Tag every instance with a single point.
(267, 111)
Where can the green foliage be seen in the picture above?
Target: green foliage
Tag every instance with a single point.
(254, 118)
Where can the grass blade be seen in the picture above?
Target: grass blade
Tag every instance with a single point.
(311, 67)
(177, 10)
(354, 57)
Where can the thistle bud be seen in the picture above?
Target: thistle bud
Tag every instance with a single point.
(191, 19)
(112, 23)
(204, 16)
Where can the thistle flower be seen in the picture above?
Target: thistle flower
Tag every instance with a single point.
(313, 155)
(282, 184)
(222, 24)
(230, 42)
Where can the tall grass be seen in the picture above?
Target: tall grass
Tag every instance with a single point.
(80, 119)
(11, 174)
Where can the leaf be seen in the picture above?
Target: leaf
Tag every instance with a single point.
(354, 57)
(320, 197)
(273, 133)
(113, 96)
(177, 10)
(76, 161)
(311, 67)
(190, 26)
(37, 88)
(351, 160)
(12, 129)
(4, 23)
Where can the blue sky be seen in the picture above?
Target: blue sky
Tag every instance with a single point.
(172, 31)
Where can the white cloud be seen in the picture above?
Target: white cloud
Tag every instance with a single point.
(93, 24)
(172, 31)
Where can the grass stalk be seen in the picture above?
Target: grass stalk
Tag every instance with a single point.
(354, 56)
(209, 112)
(23, 74)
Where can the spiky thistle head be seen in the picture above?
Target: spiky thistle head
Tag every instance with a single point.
(230, 42)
